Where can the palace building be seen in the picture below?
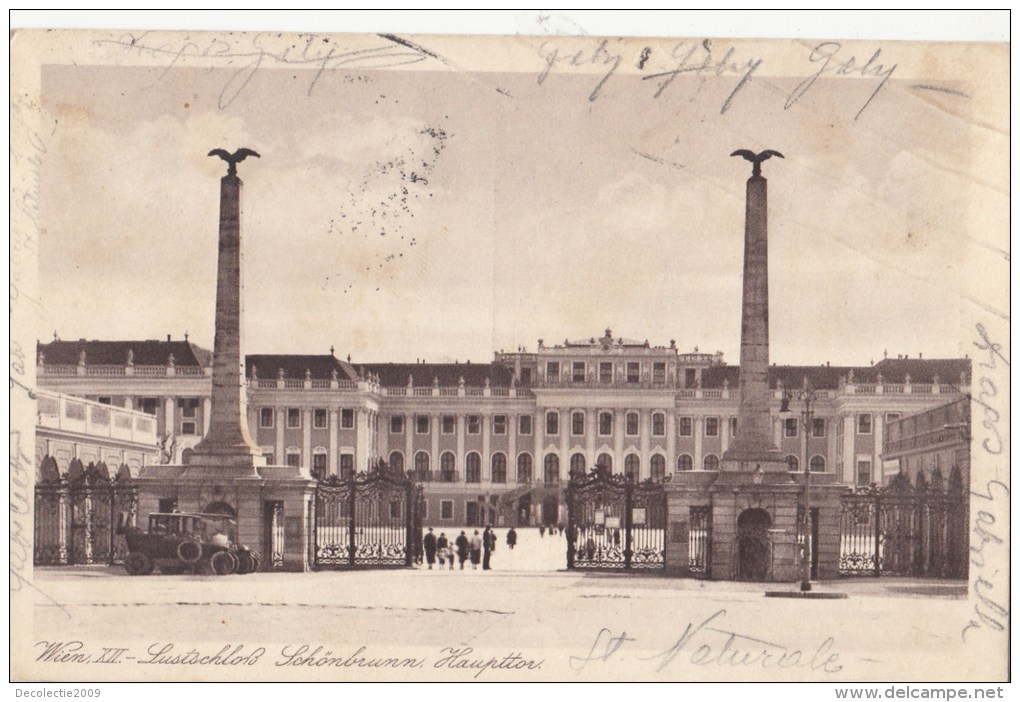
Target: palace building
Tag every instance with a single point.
(498, 441)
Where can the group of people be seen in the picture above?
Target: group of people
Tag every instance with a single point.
(475, 550)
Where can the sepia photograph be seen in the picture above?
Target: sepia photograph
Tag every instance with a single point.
(537, 357)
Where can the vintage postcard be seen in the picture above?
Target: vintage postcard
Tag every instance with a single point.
(405, 357)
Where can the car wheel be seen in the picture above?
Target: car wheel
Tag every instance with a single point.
(137, 563)
(245, 563)
(189, 551)
(223, 563)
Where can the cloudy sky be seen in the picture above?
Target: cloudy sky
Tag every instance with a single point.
(442, 207)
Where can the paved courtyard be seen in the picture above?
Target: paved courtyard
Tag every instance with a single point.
(522, 620)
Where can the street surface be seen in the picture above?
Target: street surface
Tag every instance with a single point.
(524, 620)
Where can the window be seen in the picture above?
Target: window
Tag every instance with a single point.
(577, 464)
(447, 464)
(604, 463)
(421, 423)
(632, 423)
(790, 427)
(632, 467)
(422, 463)
(863, 473)
(473, 468)
(319, 466)
(270, 457)
(474, 424)
(266, 416)
(686, 426)
(446, 509)
(397, 461)
(293, 418)
(711, 462)
(109, 401)
(449, 424)
(792, 463)
(817, 464)
(733, 426)
(690, 378)
(498, 468)
(606, 372)
(552, 469)
(605, 423)
(658, 424)
(319, 419)
(499, 424)
(524, 424)
(711, 426)
(525, 470)
(818, 427)
(891, 417)
(396, 424)
(189, 406)
(552, 423)
(864, 424)
(188, 428)
(293, 459)
(552, 371)
(347, 419)
(633, 372)
(346, 465)
(659, 372)
(578, 375)
(577, 423)
(658, 467)
(150, 405)
(684, 463)
(525, 376)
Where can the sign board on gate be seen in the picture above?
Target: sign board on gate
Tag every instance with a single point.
(600, 516)
(612, 522)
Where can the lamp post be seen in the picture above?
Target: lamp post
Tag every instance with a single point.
(807, 395)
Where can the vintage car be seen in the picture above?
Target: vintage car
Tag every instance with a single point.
(179, 542)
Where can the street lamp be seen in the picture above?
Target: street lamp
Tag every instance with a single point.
(808, 396)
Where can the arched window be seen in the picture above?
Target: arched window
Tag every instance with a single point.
(684, 463)
(817, 463)
(792, 464)
(397, 461)
(498, 468)
(421, 463)
(632, 467)
(658, 467)
(604, 463)
(473, 468)
(577, 464)
(711, 462)
(525, 468)
(552, 469)
(448, 467)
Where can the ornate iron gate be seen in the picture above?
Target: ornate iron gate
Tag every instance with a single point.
(907, 530)
(368, 520)
(614, 523)
(77, 515)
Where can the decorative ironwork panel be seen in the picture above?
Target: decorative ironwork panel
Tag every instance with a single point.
(648, 526)
(380, 521)
(858, 533)
(277, 534)
(615, 524)
(699, 540)
(52, 513)
(333, 522)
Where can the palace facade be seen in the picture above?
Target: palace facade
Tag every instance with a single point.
(497, 441)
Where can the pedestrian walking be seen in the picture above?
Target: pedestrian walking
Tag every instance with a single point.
(511, 539)
(488, 546)
(476, 550)
(430, 544)
(541, 530)
(443, 551)
(462, 548)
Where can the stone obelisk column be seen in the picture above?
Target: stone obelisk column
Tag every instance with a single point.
(228, 443)
(753, 445)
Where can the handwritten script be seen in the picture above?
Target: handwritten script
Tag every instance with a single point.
(710, 643)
